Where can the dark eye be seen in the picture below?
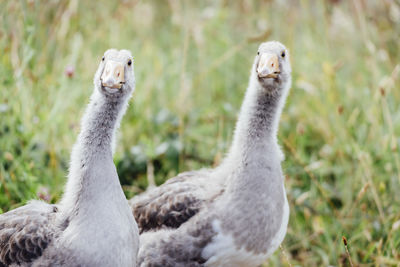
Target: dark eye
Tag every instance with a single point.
(129, 62)
(102, 58)
(258, 53)
(283, 54)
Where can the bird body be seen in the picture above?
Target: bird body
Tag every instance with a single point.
(237, 213)
(93, 224)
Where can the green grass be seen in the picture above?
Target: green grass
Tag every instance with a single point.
(340, 129)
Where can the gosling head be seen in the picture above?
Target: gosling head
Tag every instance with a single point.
(272, 65)
(115, 75)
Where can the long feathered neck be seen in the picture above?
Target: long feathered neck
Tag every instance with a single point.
(91, 168)
(99, 125)
(259, 117)
(254, 185)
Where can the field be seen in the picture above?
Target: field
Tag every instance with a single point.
(340, 129)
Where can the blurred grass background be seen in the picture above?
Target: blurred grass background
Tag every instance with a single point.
(340, 129)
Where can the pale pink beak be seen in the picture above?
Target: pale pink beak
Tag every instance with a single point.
(113, 75)
(268, 66)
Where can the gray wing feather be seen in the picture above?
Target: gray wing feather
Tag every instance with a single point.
(173, 203)
(26, 232)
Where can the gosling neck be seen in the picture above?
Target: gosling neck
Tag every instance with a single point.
(92, 175)
(257, 125)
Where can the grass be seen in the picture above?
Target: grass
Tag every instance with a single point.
(340, 129)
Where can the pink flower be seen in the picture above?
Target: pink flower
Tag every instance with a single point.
(69, 71)
(43, 193)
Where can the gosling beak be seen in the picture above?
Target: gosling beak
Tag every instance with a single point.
(268, 66)
(113, 75)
